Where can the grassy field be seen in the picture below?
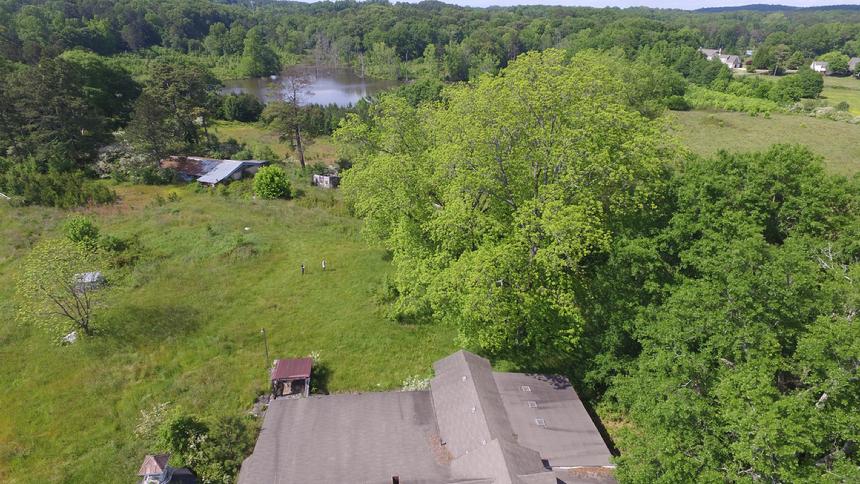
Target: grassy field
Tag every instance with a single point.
(707, 132)
(319, 150)
(183, 326)
(838, 89)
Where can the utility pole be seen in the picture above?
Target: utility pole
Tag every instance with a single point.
(266, 345)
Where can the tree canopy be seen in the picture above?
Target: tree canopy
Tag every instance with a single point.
(491, 200)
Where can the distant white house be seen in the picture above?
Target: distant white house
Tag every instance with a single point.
(731, 61)
(820, 66)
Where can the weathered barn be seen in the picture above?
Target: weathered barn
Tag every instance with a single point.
(292, 377)
(326, 181)
(211, 171)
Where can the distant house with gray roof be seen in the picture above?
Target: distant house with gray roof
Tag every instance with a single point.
(472, 426)
(731, 61)
(853, 63)
(211, 171)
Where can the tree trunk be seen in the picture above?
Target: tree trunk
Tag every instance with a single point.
(299, 148)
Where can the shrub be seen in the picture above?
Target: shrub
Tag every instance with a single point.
(122, 163)
(112, 243)
(54, 188)
(272, 182)
(677, 103)
(82, 230)
(843, 106)
(702, 98)
(241, 107)
(213, 451)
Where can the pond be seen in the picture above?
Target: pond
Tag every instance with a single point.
(327, 85)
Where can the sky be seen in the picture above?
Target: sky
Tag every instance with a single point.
(684, 4)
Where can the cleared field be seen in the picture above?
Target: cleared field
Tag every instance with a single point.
(838, 89)
(705, 133)
(317, 150)
(183, 325)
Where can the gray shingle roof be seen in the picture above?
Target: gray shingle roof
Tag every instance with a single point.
(468, 407)
(362, 438)
(473, 426)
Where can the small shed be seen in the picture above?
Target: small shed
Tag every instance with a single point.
(155, 470)
(88, 281)
(292, 377)
(326, 181)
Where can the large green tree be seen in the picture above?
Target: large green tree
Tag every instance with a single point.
(750, 349)
(491, 200)
(258, 59)
(173, 111)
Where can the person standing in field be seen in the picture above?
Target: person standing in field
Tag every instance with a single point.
(323, 264)
(303, 269)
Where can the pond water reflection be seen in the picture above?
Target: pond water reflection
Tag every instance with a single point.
(327, 85)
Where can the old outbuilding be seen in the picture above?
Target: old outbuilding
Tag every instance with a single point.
(211, 171)
(155, 470)
(331, 180)
(292, 377)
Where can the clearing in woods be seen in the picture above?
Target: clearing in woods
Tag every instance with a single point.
(706, 132)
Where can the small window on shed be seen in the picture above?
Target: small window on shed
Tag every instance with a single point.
(540, 422)
(526, 388)
(532, 404)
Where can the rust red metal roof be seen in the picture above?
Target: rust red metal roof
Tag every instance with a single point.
(292, 369)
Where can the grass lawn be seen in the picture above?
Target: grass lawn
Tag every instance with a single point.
(318, 150)
(838, 89)
(707, 132)
(183, 325)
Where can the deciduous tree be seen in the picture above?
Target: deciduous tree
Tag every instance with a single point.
(50, 291)
(492, 201)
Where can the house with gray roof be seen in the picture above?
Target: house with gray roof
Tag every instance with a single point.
(853, 63)
(472, 426)
(731, 61)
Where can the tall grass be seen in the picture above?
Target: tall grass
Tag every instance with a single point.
(183, 326)
(701, 98)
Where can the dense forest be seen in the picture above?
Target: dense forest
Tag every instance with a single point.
(527, 188)
(142, 76)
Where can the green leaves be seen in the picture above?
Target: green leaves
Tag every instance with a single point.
(272, 182)
(491, 199)
(51, 291)
(747, 368)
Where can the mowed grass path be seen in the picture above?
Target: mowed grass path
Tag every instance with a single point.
(184, 325)
(705, 133)
(838, 89)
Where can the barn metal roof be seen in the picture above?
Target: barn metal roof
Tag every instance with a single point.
(292, 369)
